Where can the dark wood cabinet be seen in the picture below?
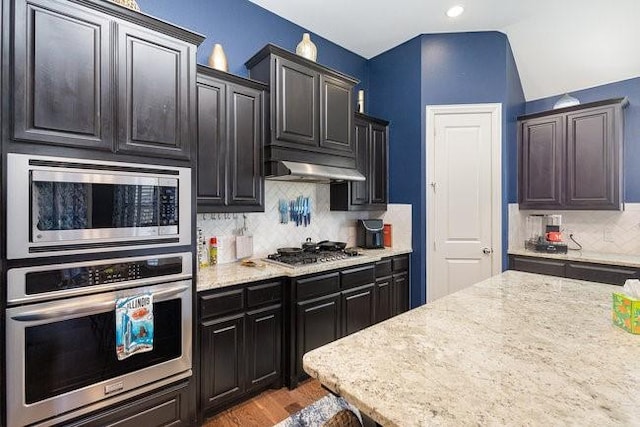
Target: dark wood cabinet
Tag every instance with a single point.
(62, 78)
(264, 341)
(336, 115)
(240, 337)
(571, 158)
(604, 273)
(311, 109)
(153, 93)
(370, 136)
(330, 305)
(230, 142)
(93, 75)
(222, 362)
(358, 309)
(297, 103)
(318, 323)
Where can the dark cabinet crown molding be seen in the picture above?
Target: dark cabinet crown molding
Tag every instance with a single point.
(143, 19)
(622, 101)
(232, 78)
(373, 119)
(270, 49)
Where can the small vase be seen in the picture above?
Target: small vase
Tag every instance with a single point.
(306, 48)
(131, 4)
(218, 59)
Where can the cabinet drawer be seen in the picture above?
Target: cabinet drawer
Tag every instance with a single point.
(616, 275)
(264, 294)
(539, 266)
(221, 303)
(383, 268)
(401, 263)
(318, 285)
(358, 276)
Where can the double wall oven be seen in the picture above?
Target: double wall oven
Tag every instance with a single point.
(61, 359)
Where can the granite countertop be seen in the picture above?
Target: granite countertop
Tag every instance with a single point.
(223, 275)
(585, 256)
(515, 349)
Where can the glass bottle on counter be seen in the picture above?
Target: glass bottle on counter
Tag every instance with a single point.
(213, 251)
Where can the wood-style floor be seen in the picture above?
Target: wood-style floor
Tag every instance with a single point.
(269, 407)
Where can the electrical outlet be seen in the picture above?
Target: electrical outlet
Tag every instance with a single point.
(607, 234)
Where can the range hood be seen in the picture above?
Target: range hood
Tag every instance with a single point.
(308, 172)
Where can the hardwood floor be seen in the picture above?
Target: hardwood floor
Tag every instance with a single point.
(269, 407)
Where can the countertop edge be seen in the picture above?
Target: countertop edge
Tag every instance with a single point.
(584, 256)
(271, 271)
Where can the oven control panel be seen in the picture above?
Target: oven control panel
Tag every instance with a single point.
(168, 206)
(100, 274)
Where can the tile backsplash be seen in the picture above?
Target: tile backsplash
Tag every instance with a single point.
(598, 231)
(268, 234)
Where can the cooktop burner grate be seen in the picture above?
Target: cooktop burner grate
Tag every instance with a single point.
(306, 258)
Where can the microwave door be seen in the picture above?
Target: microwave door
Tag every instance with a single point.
(70, 206)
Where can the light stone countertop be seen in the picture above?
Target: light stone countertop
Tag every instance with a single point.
(223, 275)
(515, 349)
(624, 260)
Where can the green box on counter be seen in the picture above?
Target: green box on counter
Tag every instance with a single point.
(626, 312)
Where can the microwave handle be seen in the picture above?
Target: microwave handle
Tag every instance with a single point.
(81, 309)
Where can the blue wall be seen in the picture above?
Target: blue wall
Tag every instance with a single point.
(243, 28)
(394, 77)
(440, 69)
(631, 89)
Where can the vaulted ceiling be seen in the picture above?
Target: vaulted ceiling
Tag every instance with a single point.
(559, 45)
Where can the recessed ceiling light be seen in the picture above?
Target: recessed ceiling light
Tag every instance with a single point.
(455, 11)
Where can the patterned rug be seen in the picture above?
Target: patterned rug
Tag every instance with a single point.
(319, 412)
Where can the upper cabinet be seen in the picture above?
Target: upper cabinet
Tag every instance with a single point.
(571, 158)
(230, 142)
(311, 109)
(99, 76)
(371, 140)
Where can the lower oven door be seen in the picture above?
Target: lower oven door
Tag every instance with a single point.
(61, 355)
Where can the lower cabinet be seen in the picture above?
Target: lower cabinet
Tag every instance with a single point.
(603, 273)
(317, 324)
(240, 342)
(328, 306)
(168, 407)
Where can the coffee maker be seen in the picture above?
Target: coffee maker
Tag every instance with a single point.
(544, 234)
(369, 233)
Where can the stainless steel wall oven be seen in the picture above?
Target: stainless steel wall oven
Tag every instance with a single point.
(60, 330)
(60, 206)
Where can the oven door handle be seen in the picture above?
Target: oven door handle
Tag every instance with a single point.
(77, 309)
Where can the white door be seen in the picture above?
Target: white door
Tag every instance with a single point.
(463, 196)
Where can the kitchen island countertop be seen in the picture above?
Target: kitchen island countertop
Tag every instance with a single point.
(223, 275)
(515, 349)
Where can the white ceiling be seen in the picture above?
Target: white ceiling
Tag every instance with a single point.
(559, 45)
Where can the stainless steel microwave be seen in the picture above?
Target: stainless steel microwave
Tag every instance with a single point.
(61, 206)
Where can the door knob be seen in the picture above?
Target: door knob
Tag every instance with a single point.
(487, 251)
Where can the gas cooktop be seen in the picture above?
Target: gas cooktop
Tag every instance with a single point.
(301, 259)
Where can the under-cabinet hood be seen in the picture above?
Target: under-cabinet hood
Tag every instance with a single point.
(308, 172)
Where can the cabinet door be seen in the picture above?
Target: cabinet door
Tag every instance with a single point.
(336, 115)
(317, 323)
(62, 79)
(378, 159)
(400, 293)
(264, 346)
(360, 189)
(222, 360)
(541, 162)
(384, 298)
(212, 151)
(296, 110)
(593, 160)
(153, 93)
(358, 309)
(244, 133)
